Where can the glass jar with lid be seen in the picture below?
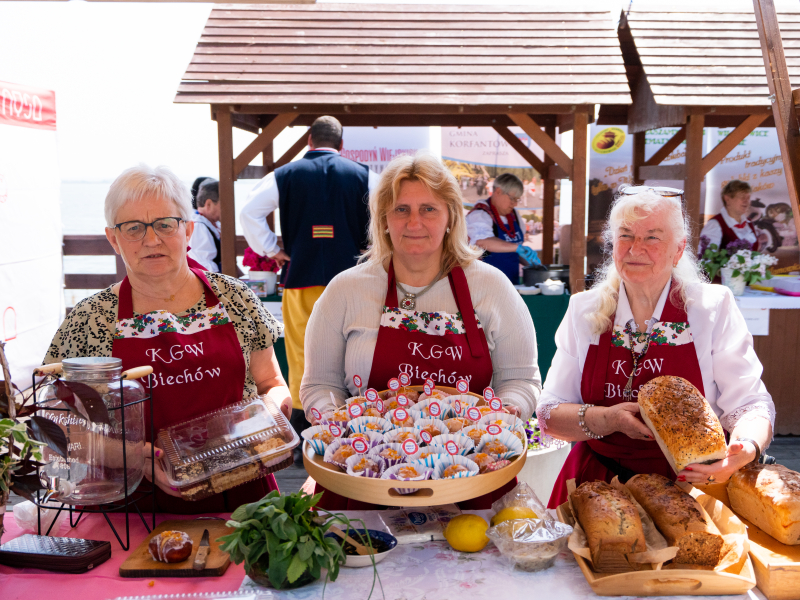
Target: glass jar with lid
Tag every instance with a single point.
(93, 471)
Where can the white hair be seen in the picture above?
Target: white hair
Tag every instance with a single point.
(140, 182)
(626, 210)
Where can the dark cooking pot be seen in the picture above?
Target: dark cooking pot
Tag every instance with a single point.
(531, 276)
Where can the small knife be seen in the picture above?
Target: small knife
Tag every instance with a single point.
(202, 553)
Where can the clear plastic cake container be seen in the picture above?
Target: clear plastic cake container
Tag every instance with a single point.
(227, 447)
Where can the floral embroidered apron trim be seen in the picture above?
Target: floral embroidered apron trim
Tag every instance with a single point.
(663, 334)
(161, 321)
(432, 323)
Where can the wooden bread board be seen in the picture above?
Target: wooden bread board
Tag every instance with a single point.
(430, 493)
(777, 565)
(140, 564)
(669, 582)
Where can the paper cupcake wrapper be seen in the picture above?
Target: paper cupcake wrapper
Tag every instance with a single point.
(465, 444)
(414, 414)
(466, 402)
(390, 437)
(318, 445)
(373, 437)
(440, 465)
(391, 473)
(506, 421)
(505, 437)
(437, 423)
(332, 448)
(353, 461)
(359, 425)
(437, 394)
(390, 462)
(466, 431)
(447, 410)
(428, 461)
(463, 424)
(328, 417)
(359, 399)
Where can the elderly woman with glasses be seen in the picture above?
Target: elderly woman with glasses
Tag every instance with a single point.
(496, 226)
(206, 335)
(650, 313)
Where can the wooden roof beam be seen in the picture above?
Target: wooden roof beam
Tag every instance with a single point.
(665, 150)
(730, 142)
(294, 150)
(544, 141)
(525, 152)
(399, 108)
(264, 139)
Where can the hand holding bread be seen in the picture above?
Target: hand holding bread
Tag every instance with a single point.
(622, 417)
(737, 456)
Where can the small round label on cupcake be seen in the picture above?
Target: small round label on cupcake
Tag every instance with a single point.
(451, 447)
(435, 409)
(360, 445)
(401, 414)
(371, 394)
(493, 429)
(488, 394)
(430, 382)
(335, 429)
(462, 385)
(355, 409)
(402, 400)
(473, 414)
(404, 378)
(410, 446)
(496, 404)
(380, 405)
(427, 389)
(316, 414)
(357, 381)
(394, 384)
(457, 406)
(426, 436)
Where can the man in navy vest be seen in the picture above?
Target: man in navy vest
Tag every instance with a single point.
(323, 215)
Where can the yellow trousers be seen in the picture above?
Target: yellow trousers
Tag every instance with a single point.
(297, 305)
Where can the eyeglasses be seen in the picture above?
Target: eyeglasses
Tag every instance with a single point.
(133, 231)
(513, 198)
(667, 192)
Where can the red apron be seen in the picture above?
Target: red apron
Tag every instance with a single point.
(179, 394)
(443, 358)
(605, 374)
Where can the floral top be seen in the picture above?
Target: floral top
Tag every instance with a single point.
(432, 323)
(662, 333)
(91, 327)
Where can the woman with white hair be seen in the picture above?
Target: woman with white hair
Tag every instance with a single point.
(206, 335)
(651, 313)
(419, 303)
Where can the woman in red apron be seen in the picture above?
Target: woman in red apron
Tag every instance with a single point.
(424, 318)
(167, 315)
(639, 313)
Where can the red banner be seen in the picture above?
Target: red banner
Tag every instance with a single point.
(25, 106)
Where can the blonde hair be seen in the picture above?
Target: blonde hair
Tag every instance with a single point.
(430, 171)
(626, 210)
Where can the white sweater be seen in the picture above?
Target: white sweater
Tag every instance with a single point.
(343, 330)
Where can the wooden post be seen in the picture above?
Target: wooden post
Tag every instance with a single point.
(577, 256)
(226, 178)
(638, 157)
(783, 108)
(693, 174)
(549, 197)
(268, 160)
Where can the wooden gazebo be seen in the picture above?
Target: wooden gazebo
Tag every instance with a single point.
(265, 67)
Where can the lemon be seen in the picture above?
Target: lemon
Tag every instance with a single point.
(467, 533)
(513, 512)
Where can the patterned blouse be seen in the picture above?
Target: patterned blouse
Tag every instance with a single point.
(91, 326)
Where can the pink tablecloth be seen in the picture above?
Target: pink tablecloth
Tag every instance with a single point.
(103, 582)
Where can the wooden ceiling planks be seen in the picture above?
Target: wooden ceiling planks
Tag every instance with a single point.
(422, 55)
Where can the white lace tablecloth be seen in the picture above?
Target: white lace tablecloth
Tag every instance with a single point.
(433, 571)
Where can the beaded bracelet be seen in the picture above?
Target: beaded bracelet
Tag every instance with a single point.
(581, 416)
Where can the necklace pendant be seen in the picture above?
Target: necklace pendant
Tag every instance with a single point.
(627, 393)
(408, 302)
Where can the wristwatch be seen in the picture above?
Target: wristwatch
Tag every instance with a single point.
(756, 446)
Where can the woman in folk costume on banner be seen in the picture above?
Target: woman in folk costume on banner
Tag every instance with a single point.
(651, 313)
(163, 311)
(731, 223)
(496, 226)
(420, 303)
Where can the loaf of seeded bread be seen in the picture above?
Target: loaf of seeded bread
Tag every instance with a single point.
(680, 518)
(685, 427)
(769, 497)
(611, 523)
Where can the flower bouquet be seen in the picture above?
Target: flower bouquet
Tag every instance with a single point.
(736, 263)
(256, 262)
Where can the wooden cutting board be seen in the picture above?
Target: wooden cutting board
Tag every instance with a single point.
(141, 564)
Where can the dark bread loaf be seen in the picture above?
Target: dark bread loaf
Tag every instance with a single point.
(680, 518)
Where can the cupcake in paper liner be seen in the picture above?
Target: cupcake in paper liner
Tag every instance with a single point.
(320, 437)
(475, 433)
(454, 467)
(373, 438)
(392, 454)
(483, 460)
(465, 445)
(407, 473)
(504, 445)
(338, 452)
(410, 394)
(430, 429)
(456, 424)
(427, 456)
(365, 465)
(400, 434)
(435, 408)
(459, 401)
(504, 420)
(338, 416)
(436, 393)
(412, 416)
(374, 424)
